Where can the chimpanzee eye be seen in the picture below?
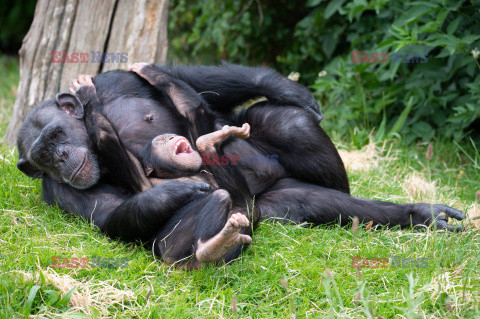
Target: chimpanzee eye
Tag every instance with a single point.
(55, 135)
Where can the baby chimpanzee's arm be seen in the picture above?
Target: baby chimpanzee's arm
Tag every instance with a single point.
(206, 143)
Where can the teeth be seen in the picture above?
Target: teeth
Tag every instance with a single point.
(183, 146)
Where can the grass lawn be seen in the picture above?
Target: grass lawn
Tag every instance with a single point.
(288, 271)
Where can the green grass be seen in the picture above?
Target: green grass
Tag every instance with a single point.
(288, 270)
(9, 77)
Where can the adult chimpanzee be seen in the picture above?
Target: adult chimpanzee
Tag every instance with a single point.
(310, 185)
(171, 156)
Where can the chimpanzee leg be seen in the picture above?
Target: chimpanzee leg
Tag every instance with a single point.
(196, 224)
(291, 200)
(303, 148)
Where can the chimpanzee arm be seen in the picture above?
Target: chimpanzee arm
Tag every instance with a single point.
(123, 169)
(187, 102)
(120, 215)
(226, 86)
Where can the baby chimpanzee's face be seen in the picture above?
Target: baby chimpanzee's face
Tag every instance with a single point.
(172, 156)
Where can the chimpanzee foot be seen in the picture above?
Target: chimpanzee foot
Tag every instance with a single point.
(213, 249)
(206, 143)
(148, 72)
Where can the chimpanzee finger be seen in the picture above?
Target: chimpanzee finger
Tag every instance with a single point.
(246, 127)
(452, 212)
(453, 228)
(442, 216)
(203, 187)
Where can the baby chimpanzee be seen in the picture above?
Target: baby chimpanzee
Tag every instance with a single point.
(171, 156)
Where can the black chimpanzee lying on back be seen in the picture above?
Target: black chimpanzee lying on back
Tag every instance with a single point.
(310, 184)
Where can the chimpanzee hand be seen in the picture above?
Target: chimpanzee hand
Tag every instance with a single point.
(206, 143)
(83, 87)
(179, 192)
(422, 214)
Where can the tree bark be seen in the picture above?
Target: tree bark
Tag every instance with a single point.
(135, 28)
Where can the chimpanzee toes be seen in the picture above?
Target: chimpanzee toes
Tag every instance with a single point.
(241, 219)
(137, 67)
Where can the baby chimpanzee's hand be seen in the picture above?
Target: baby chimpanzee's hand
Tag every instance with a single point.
(207, 142)
(240, 132)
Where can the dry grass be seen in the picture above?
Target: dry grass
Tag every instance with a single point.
(419, 188)
(367, 158)
(87, 295)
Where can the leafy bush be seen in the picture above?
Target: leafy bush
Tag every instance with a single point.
(444, 90)
(317, 35)
(16, 17)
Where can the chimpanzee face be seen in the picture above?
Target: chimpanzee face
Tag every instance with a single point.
(53, 141)
(170, 154)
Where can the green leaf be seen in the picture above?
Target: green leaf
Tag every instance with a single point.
(430, 4)
(454, 25)
(313, 3)
(423, 130)
(401, 119)
(386, 44)
(332, 7)
(468, 39)
(382, 129)
(51, 297)
(65, 299)
(416, 12)
(389, 74)
(31, 298)
(431, 26)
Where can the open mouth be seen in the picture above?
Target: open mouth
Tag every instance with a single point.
(182, 147)
(79, 169)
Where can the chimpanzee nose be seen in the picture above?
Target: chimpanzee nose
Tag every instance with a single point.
(61, 154)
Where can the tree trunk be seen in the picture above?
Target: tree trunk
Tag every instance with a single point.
(136, 30)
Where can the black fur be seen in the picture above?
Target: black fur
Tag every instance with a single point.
(310, 184)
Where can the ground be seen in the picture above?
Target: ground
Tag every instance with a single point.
(288, 271)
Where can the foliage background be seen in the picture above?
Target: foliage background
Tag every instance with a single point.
(15, 17)
(288, 270)
(315, 35)
(360, 101)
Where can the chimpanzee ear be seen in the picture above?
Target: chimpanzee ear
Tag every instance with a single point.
(28, 169)
(70, 104)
